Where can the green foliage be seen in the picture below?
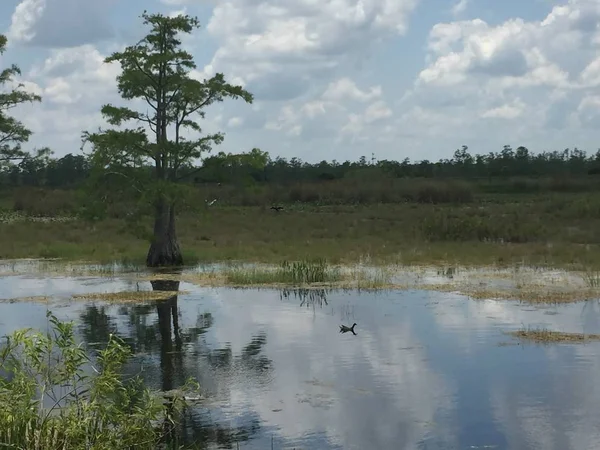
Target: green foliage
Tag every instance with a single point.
(157, 71)
(12, 132)
(297, 273)
(48, 399)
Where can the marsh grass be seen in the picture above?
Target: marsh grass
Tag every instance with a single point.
(49, 400)
(495, 229)
(289, 273)
(545, 336)
(372, 277)
(592, 278)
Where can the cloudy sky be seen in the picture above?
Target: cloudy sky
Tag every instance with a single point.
(335, 79)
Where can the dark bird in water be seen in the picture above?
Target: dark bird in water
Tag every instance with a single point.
(345, 329)
(277, 208)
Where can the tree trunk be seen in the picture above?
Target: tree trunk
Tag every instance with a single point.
(164, 249)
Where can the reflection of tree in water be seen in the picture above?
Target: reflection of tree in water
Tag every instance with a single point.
(307, 297)
(184, 353)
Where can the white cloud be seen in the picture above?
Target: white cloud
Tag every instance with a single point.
(460, 7)
(303, 41)
(346, 89)
(60, 23)
(477, 71)
(507, 111)
(26, 15)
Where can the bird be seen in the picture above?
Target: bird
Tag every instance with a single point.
(277, 208)
(212, 202)
(345, 329)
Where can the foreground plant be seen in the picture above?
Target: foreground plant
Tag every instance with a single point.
(53, 395)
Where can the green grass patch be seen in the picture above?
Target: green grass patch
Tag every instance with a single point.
(559, 230)
(290, 273)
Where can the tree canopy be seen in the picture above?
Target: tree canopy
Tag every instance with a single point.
(13, 133)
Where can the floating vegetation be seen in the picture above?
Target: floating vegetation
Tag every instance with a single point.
(128, 296)
(527, 295)
(543, 335)
(32, 299)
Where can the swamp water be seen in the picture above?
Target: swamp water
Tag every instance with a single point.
(425, 370)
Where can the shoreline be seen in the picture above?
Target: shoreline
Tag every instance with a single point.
(535, 285)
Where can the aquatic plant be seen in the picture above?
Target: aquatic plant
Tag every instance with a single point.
(293, 273)
(591, 278)
(49, 399)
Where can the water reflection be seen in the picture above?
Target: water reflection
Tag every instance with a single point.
(307, 297)
(424, 371)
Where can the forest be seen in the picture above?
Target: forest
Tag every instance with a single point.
(257, 167)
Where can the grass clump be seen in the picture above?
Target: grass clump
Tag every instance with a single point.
(543, 335)
(48, 400)
(290, 273)
(592, 278)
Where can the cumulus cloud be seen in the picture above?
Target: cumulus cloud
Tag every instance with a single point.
(513, 70)
(74, 83)
(319, 81)
(343, 112)
(60, 23)
(299, 42)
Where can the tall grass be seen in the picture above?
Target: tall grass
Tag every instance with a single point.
(48, 399)
(452, 226)
(591, 278)
(293, 273)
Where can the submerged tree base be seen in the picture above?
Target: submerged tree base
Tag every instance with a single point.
(163, 254)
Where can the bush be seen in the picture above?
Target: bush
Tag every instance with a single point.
(48, 401)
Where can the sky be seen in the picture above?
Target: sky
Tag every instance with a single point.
(333, 79)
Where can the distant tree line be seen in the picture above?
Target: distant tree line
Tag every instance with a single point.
(257, 166)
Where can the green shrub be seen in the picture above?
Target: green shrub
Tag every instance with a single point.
(48, 401)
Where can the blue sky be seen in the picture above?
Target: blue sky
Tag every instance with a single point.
(335, 79)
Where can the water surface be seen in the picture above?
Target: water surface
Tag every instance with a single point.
(425, 370)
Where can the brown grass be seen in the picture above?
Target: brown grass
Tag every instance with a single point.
(529, 294)
(545, 336)
(33, 299)
(128, 297)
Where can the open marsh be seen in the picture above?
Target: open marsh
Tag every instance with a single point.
(427, 368)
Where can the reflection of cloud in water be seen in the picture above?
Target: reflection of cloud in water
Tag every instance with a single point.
(563, 415)
(544, 397)
(424, 370)
(367, 390)
(452, 312)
